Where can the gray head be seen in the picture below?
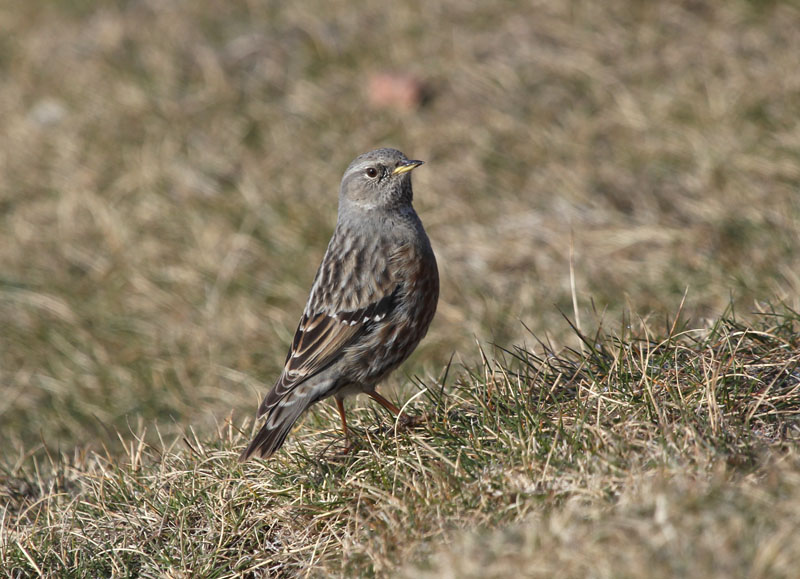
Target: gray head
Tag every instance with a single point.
(378, 179)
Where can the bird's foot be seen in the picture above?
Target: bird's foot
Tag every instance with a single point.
(349, 448)
(412, 420)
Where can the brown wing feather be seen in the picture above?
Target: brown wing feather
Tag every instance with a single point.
(322, 336)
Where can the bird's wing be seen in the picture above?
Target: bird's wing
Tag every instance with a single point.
(332, 323)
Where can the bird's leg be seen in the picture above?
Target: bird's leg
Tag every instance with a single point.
(385, 403)
(405, 419)
(348, 444)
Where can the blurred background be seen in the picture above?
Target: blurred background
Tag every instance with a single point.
(169, 174)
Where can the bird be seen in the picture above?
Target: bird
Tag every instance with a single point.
(371, 303)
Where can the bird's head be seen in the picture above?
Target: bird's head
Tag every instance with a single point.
(379, 179)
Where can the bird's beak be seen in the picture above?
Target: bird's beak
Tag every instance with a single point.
(406, 166)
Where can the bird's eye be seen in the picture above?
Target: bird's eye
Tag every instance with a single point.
(372, 172)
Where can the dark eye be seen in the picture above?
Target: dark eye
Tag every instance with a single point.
(372, 172)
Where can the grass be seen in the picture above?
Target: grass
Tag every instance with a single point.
(675, 457)
(167, 186)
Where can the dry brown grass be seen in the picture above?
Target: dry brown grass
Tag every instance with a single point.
(642, 458)
(168, 178)
(662, 524)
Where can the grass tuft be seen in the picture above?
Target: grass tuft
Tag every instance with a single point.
(532, 449)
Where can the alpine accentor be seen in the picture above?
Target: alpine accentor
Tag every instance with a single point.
(372, 301)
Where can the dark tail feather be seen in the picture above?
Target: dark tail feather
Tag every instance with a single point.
(279, 422)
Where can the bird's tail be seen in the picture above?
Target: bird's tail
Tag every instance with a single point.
(280, 419)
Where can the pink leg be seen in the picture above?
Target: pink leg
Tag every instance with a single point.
(340, 407)
(405, 419)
